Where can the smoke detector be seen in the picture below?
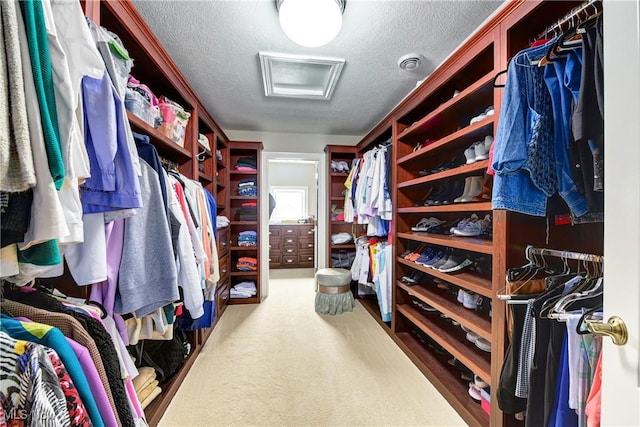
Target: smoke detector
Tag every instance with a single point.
(410, 62)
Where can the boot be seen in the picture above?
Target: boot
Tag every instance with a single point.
(487, 189)
(467, 188)
(475, 190)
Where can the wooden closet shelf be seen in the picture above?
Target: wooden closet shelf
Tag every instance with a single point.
(237, 172)
(468, 281)
(338, 198)
(244, 222)
(371, 305)
(474, 89)
(437, 298)
(347, 246)
(444, 379)
(477, 166)
(244, 248)
(340, 174)
(244, 273)
(455, 343)
(204, 177)
(244, 197)
(252, 300)
(477, 129)
(164, 145)
(454, 207)
(466, 243)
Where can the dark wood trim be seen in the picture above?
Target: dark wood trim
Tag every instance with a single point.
(456, 207)
(459, 171)
(466, 243)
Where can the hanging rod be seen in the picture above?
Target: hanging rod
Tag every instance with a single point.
(565, 254)
(557, 26)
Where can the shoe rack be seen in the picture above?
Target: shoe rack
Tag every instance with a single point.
(441, 315)
(238, 150)
(446, 320)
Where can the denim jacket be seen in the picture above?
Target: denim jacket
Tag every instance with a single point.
(524, 158)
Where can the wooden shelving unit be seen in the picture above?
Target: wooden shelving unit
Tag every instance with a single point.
(238, 150)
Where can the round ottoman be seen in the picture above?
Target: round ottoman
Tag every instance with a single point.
(333, 295)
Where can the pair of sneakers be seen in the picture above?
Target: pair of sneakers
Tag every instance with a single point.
(339, 166)
(468, 299)
(481, 343)
(480, 117)
(473, 226)
(479, 150)
(444, 261)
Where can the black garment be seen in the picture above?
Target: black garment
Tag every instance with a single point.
(149, 154)
(588, 115)
(507, 400)
(15, 215)
(40, 299)
(538, 409)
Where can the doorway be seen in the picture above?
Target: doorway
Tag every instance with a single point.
(292, 246)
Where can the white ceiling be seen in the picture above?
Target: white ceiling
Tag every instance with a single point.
(216, 44)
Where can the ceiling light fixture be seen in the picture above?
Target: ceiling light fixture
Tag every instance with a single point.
(311, 23)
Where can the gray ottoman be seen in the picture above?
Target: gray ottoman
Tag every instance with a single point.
(333, 295)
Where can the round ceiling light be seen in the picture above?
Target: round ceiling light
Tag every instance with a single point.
(410, 62)
(311, 23)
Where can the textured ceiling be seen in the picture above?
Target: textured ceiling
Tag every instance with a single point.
(216, 45)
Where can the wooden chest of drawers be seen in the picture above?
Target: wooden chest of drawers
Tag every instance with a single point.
(291, 246)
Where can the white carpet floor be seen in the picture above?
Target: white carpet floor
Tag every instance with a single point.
(281, 364)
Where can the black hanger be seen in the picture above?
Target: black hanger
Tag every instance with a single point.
(495, 79)
(581, 321)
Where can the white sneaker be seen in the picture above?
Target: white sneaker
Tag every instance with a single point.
(470, 154)
(481, 152)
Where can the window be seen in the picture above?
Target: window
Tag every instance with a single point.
(291, 203)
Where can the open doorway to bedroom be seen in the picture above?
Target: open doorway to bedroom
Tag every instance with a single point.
(293, 216)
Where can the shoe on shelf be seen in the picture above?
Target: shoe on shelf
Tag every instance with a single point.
(470, 154)
(460, 299)
(436, 258)
(483, 345)
(344, 166)
(473, 227)
(475, 189)
(480, 117)
(467, 188)
(436, 265)
(487, 189)
(488, 142)
(455, 190)
(427, 254)
(426, 223)
(455, 263)
(481, 151)
(472, 337)
(471, 300)
(479, 382)
(474, 392)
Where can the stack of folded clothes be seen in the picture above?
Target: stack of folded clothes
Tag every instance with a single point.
(244, 290)
(246, 164)
(247, 213)
(247, 187)
(146, 386)
(222, 221)
(247, 238)
(246, 263)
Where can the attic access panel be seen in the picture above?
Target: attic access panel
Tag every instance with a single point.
(295, 76)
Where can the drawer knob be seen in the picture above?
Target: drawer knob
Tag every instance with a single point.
(269, 246)
(224, 243)
(310, 258)
(289, 260)
(310, 245)
(310, 232)
(289, 250)
(224, 270)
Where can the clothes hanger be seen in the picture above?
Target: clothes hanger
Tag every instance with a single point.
(581, 327)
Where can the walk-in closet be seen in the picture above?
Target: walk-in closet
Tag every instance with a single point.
(321, 212)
